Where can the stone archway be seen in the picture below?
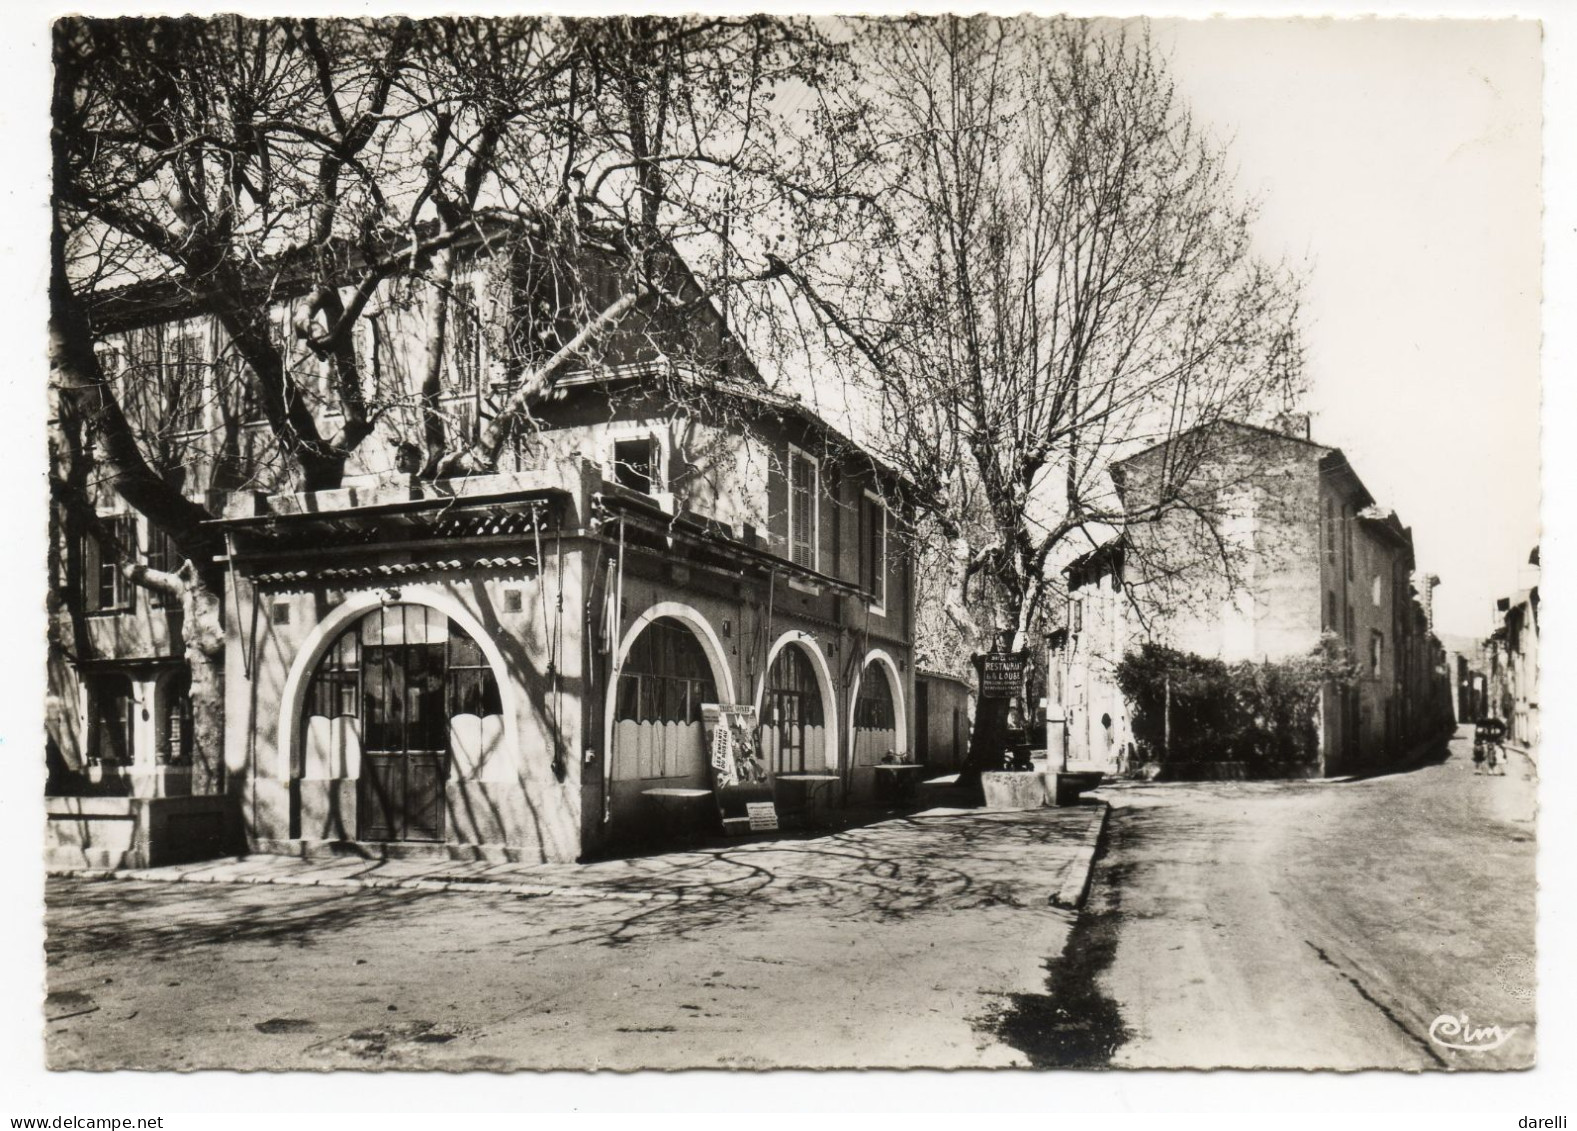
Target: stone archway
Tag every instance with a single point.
(811, 649)
(293, 696)
(711, 646)
(879, 659)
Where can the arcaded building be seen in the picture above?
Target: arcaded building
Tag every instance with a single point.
(507, 665)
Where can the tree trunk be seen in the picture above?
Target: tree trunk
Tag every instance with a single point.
(989, 739)
(202, 630)
(436, 318)
(205, 657)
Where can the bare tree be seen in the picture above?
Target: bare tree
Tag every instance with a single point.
(1060, 273)
(237, 165)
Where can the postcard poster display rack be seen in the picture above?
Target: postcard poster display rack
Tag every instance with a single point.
(739, 778)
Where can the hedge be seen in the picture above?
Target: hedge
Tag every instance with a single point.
(1264, 715)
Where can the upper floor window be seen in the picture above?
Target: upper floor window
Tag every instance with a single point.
(111, 360)
(467, 338)
(1077, 619)
(1376, 651)
(635, 464)
(873, 550)
(183, 382)
(106, 588)
(164, 556)
(804, 495)
(1378, 591)
(638, 461)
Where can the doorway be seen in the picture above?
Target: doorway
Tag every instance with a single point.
(397, 677)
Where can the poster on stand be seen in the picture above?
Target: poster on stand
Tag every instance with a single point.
(740, 780)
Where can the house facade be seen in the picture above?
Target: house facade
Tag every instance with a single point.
(1513, 661)
(509, 664)
(1277, 547)
(944, 712)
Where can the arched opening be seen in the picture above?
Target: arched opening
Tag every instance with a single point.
(173, 738)
(793, 714)
(875, 719)
(657, 733)
(401, 700)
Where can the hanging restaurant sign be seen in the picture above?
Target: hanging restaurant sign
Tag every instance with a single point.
(1001, 674)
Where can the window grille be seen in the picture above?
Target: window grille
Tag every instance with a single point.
(666, 676)
(467, 347)
(874, 710)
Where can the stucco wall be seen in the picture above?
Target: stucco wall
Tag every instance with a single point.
(530, 804)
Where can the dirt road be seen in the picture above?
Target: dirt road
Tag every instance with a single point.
(1304, 925)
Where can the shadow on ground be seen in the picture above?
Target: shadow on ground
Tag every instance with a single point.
(884, 873)
(1433, 754)
(1075, 1024)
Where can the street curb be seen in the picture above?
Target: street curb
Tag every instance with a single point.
(1075, 886)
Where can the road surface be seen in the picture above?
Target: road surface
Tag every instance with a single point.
(1304, 925)
(896, 945)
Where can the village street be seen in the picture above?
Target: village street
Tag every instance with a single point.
(1305, 924)
(897, 944)
(1296, 924)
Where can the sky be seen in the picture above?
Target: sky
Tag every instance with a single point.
(1399, 161)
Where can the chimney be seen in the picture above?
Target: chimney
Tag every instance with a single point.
(1294, 424)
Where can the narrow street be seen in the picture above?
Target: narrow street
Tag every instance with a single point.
(1303, 925)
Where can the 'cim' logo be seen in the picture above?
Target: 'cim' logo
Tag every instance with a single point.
(1452, 1031)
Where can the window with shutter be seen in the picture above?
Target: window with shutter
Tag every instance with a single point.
(467, 338)
(804, 488)
(873, 552)
(105, 586)
(183, 376)
(164, 556)
(1347, 524)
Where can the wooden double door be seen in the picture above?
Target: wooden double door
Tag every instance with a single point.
(405, 742)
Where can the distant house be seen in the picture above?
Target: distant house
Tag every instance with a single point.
(1513, 650)
(505, 664)
(943, 715)
(1465, 663)
(1274, 545)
